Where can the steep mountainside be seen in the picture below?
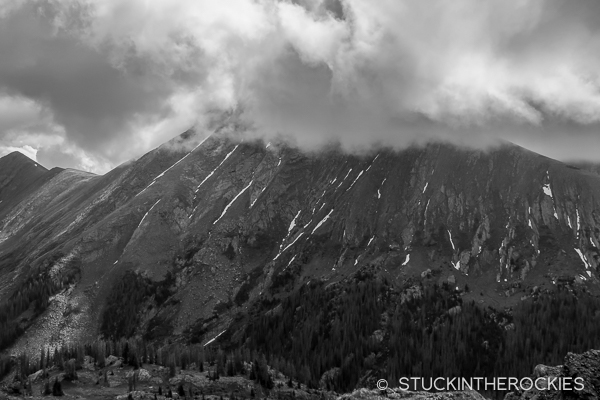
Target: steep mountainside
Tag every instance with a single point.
(19, 176)
(209, 223)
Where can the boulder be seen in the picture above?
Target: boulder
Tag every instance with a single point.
(541, 370)
(138, 395)
(451, 280)
(585, 366)
(455, 310)
(36, 376)
(111, 359)
(142, 374)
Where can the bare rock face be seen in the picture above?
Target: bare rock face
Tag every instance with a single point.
(366, 394)
(542, 370)
(585, 366)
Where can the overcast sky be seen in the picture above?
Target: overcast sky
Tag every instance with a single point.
(89, 84)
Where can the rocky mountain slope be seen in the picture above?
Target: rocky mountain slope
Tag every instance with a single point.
(19, 176)
(213, 221)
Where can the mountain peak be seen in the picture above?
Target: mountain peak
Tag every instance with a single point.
(16, 157)
(19, 176)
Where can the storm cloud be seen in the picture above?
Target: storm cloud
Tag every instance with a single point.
(94, 83)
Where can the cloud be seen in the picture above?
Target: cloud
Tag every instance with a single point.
(112, 79)
(27, 150)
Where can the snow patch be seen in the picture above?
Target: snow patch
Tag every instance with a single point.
(587, 265)
(168, 169)
(254, 201)
(291, 261)
(371, 240)
(456, 265)
(380, 186)
(214, 170)
(215, 338)
(406, 260)
(293, 223)
(546, 188)
(451, 242)
(233, 201)
(359, 175)
(343, 180)
(372, 162)
(322, 222)
(425, 188)
(147, 212)
(288, 246)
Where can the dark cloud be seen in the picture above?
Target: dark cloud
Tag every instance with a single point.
(110, 79)
(91, 98)
(55, 156)
(98, 98)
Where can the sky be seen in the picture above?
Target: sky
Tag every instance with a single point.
(90, 84)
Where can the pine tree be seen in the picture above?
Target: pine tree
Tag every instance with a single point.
(46, 390)
(172, 368)
(57, 388)
(43, 359)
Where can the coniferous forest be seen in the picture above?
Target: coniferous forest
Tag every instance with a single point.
(337, 336)
(368, 325)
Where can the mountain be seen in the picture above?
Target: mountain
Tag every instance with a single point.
(203, 237)
(19, 176)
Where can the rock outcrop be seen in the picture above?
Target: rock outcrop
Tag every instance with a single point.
(366, 394)
(584, 366)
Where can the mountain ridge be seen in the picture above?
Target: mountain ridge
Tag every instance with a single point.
(19, 176)
(211, 225)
